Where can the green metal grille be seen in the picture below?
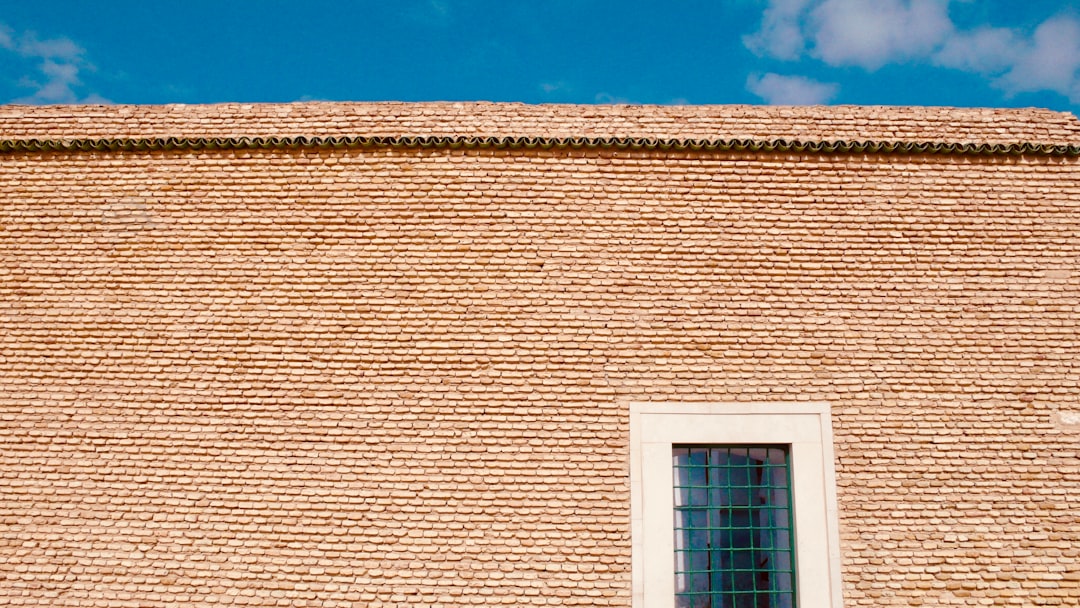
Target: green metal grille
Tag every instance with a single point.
(734, 536)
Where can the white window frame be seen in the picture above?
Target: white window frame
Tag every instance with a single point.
(806, 427)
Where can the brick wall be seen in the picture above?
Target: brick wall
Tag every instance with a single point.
(390, 377)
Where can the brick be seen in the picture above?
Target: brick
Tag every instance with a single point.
(400, 376)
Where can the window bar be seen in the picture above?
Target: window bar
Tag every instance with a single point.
(734, 549)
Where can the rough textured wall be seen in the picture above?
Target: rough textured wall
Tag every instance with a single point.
(442, 119)
(397, 377)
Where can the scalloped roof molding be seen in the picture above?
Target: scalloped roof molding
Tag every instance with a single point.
(478, 125)
(155, 144)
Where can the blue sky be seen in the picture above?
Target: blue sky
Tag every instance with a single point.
(897, 52)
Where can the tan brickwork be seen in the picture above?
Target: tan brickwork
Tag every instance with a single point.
(401, 377)
(954, 125)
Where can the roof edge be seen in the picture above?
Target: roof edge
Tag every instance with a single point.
(155, 144)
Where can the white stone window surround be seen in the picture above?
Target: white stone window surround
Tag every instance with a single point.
(806, 427)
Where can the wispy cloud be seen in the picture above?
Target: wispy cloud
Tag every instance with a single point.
(871, 35)
(983, 50)
(432, 13)
(559, 86)
(776, 89)
(781, 33)
(5, 38)
(1049, 61)
(55, 71)
(607, 98)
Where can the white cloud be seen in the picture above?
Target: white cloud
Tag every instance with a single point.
(554, 87)
(58, 65)
(1047, 61)
(865, 33)
(5, 38)
(776, 89)
(781, 33)
(95, 99)
(53, 48)
(1050, 61)
(986, 49)
(871, 34)
(608, 99)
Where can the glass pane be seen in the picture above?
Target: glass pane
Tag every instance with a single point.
(733, 527)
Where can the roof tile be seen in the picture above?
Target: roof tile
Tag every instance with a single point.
(481, 119)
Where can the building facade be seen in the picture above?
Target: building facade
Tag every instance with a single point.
(495, 354)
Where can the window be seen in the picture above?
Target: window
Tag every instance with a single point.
(733, 506)
(733, 527)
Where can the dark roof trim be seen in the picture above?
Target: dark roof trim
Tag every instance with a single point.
(152, 144)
